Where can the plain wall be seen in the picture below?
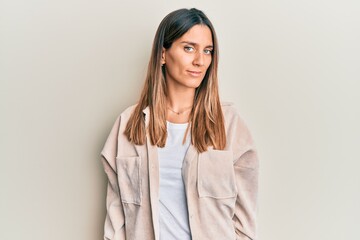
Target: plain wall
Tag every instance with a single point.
(68, 68)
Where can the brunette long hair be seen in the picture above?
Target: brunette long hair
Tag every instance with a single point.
(206, 117)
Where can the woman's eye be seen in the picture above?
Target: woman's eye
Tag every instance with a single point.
(189, 49)
(207, 51)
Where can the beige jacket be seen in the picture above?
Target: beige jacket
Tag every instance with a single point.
(221, 186)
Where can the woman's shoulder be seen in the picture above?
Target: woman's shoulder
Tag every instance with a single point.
(123, 117)
(229, 110)
(125, 114)
(109, 149)
(128, 111)
(239, 137)
(233, 118)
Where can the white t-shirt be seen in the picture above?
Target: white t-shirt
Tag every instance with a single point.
(174, 222)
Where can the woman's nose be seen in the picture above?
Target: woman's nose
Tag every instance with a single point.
(198, 59)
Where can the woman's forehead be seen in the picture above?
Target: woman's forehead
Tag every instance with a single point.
(197, 35)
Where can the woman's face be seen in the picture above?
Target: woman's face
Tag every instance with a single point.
(188, 58)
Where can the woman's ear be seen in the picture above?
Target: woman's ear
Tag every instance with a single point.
(163, 56)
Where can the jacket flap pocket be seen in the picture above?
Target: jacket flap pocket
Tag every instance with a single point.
(216, 177)
(129, 179)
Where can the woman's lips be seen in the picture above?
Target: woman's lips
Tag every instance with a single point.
(194, 73)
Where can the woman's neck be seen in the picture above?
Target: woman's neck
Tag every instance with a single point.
(179, 104)
(178, 99)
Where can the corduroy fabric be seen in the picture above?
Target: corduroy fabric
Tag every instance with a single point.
(221, 185)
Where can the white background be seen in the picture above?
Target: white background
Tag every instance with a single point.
(69, 67)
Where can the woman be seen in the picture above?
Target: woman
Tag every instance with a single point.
(180, 164)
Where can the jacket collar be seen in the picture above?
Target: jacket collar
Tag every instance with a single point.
(146, 112)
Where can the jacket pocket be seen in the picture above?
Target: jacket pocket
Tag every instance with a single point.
(129, 179)
(216, 177)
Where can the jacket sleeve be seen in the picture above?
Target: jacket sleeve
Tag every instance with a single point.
(246, 168)
(114, 227)
(246, 202)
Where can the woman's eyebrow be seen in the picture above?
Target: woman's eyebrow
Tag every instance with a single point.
(195, 44)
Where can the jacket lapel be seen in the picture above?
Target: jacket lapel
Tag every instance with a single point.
(153, 169)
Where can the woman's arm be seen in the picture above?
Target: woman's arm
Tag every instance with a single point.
(114, 228)
(246, 168)
(246, 202)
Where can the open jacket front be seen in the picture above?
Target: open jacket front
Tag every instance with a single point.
(221, 185)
